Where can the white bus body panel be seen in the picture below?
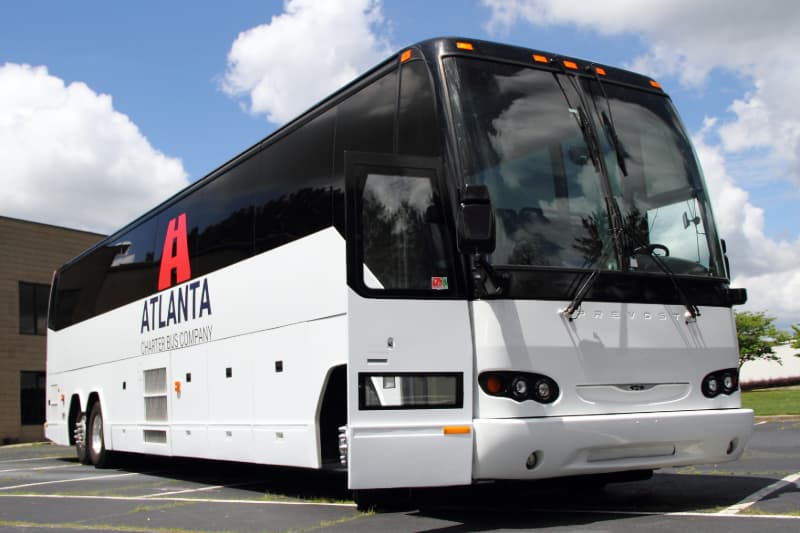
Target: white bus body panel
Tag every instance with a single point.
(630, 395)
(288, 305)
(408, 447)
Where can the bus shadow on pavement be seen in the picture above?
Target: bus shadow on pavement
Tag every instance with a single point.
(241, 480)
(575, 502)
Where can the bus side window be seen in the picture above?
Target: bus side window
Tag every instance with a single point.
(402, 243)
(417, 125)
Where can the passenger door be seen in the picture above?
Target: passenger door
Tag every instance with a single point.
(410, 350)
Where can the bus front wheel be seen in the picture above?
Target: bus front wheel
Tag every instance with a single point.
(95, 442)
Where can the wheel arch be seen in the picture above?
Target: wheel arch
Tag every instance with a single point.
(331, 413)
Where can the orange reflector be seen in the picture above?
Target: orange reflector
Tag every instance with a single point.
(540, 58)
(654, 83)
(457, 430)
(461, 45)
(62, 398)
(571, 64)
(405, 56)
(178, 387)
(600, 71)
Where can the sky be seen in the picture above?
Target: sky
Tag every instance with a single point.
(108, 108)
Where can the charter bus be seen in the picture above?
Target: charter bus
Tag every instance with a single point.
(474, 262)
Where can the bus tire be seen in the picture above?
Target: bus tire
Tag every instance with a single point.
(95, 441)
(79, 434)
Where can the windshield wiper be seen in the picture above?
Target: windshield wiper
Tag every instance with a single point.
(608, 122)
(692, 311)
(571, 310)
(583, 125)
(614, 138)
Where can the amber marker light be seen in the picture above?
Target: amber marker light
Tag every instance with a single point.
(600, 71)
(540, 58)
(655, 84)
(463, 45)
(178, 387)
(570, 64)
(405, 56)
(456, 430)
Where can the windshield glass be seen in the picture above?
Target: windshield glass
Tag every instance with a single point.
(526, 134)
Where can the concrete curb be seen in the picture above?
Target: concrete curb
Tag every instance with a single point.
(778, 418)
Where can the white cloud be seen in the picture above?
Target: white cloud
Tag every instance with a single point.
(303, 54)
(687, 40)
(68, 158)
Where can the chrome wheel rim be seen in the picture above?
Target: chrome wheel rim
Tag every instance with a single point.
(97, 434)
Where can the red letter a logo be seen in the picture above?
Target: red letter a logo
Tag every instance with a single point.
(175, 255)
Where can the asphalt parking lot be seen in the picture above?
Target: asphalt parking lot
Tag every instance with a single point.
(42, 488)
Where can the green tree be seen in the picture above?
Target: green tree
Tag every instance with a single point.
(758, 336)
(796, 338)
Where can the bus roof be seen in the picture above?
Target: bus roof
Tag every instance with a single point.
(429, 50)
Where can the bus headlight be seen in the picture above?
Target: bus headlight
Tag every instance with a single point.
(725, 381)
(543, 392)
(519, 386)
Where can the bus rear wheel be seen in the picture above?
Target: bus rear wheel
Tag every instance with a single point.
(79, 435)
(95, 442)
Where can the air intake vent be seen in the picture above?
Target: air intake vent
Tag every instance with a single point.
(155, 436)
(155, 396)
(155, 381)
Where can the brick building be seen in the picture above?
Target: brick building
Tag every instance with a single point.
(29, 253)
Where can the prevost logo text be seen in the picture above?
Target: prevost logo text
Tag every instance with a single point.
(180, 304)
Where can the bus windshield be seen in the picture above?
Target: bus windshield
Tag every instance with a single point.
(571, 163)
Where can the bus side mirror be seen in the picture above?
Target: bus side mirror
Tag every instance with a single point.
(475, 223)
(725, 258)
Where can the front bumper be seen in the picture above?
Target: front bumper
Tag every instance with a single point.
(534, 448)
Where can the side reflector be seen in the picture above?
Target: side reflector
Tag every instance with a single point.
(654, 83)
(600, 71)
(540, 58)
(461, 45)
(571, 64)
(457, 430)
(405, 56)
(178, 387)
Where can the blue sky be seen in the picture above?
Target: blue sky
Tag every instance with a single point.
(189, 84)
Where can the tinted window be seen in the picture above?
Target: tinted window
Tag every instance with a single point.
(219, 220)
(78, 286)
(294, 199)
(521, 133)
(402, 241)
(364, 123)
(33, 308)
(131, 273)
(418, 129)
(31, 397)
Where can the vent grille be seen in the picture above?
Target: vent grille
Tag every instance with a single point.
(155, 436)
(155, 409)
(155, 396)
(155, 381)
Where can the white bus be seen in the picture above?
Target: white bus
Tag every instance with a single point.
(475, 262)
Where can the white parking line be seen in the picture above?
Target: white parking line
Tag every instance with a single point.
(759, 495)
(89, 478)
(185, 491)
(46, 458)
(37, 468)
(167, 499)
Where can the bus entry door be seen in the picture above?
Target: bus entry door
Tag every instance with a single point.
(410, 352)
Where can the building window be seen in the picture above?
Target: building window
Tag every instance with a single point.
(31, 397)
(33, 298)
